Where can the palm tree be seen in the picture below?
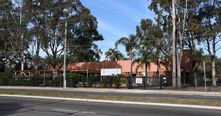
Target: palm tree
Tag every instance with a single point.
(114, 55)
(129, 44)
(143, 60)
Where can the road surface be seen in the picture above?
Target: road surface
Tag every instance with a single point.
(11, 106)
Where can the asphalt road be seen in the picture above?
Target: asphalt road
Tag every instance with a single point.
(11, 106)
(156, 95)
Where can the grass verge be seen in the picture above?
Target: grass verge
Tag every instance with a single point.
(207, 102)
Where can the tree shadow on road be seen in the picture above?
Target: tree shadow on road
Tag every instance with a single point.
(7, 108)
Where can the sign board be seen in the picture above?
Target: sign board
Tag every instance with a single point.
(110, 71)
(139, 80)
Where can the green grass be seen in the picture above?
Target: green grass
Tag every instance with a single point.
(208, 102)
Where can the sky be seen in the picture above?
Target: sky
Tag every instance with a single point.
(117, 18)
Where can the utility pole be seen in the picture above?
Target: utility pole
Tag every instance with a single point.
(174, 44)
(65, 54)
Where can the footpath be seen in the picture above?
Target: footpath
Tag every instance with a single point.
(110, 90)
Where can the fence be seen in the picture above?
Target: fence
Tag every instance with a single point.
(48, 78)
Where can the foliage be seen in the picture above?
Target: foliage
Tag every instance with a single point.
(72, 80)
(129, 44)
(108, 81)
(118, 80)
(6, 77)
(39, 25)
(114, 55)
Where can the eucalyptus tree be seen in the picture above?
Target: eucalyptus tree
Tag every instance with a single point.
(47, 21)
(82, 36)
(186, 26)
(164, 11)
(209, 14)
(6, 23)
(14, 32)
(113, 55)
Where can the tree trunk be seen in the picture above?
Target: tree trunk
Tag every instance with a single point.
(37, 54)
(214, 62)
(178, 70)
(131, 63)
(213, 70)
(131, 67)
(158, 72)
(184, 79)
(131, 73)
(191, 66)
(145, 78)
(174, 43)
(195, 79)
(191, 46)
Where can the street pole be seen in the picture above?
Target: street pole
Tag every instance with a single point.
(204, 70)
(65, 53)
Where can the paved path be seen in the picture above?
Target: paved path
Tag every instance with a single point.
(11, 106)
(124, 92)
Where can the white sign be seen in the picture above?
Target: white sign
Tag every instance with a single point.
(139, 80)
(110, 71)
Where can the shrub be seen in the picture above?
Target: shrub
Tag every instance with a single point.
(117, 82)
(34, 80)
(74, 79)
(90, 81)
(108, 81)
(6, 77)
(22, 80)
(104, 82)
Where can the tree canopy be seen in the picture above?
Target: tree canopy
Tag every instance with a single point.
(33, 26)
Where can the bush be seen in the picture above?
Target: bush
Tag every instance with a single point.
(5, 77)
(22, 80)
(104, 82)
(108, 81)
(83, 80)
(34, 80)
(117, 82)
(72, 80)
(90, 81)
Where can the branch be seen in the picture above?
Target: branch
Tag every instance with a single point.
(11, 33)
(13, 17)
(46, 51)
(61, 50)
(208, 46)
(218, 48)
(217, 41)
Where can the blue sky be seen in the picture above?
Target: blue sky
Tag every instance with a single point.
(117, 18)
